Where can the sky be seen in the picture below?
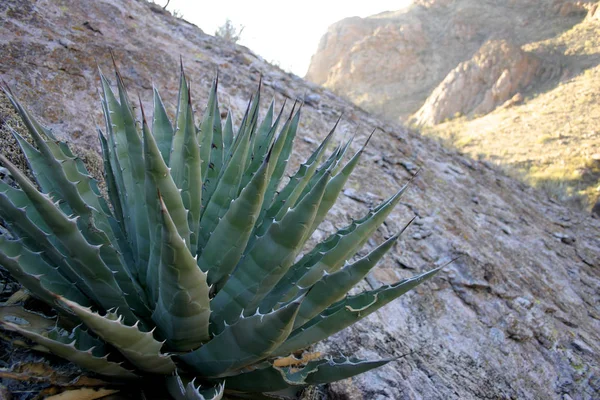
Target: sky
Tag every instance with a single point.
(284, 33)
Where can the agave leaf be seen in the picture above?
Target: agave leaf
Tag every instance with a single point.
(111, 182)
(249, 124)
(64, 176)
(23, 224)
(349, 244)
(228, 241)
(268, 260)
(86, 257)
(41, 169)
(261, 140)
(185, 161)
(247, 341)
(115, 126)
(330, 255)
(60, 174)
(260, 143)
(185, 169)
(281, 152)
(149, 276)
(227, 136)
(140, 348)
(262, 147)
(176, 160)
(215, 164)
(348, 311)
(241, 130)
(334, 287)
(225, 192)
(91, 209)
(261, 380)
(155, 167)
(45, 166)
(287, 197)
(335, 186)
(182, 310)
(273, 379)
(180, 391)
(207, 131)
(135, 167)
(112, 123)
(24, 221)
(162, 128)
(33, 272)
(72, 352)
(341, 368)
(25, 115)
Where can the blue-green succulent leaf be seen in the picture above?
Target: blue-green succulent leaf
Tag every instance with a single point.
(267, 262)
(228, 241)
(182, 309)
(85, 256)
(348, 311)
(139, 347)
(273, 379)
(162, 128)
(180, 391)
(234, 348)
(330, 255)
(33, 272)
(72, 351)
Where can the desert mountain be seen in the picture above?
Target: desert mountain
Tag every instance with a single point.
(513, 82)
(517, 316)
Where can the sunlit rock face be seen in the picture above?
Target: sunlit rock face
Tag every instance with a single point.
(516, 317)
(391, 62)
(496, 73)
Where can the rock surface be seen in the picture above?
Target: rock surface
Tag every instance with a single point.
(391, 62)
(518, 316)
(497, 72)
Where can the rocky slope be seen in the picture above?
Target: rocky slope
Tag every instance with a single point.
(518, 316)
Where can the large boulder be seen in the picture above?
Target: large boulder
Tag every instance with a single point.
(497, 72)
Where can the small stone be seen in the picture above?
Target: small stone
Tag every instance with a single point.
(582, 347)
(497, 335)
(421, 235)
(309, 140)
(466, 163)
(506, 230)
(66, 43)
(567, 240)
(312, 99)
(409, 166)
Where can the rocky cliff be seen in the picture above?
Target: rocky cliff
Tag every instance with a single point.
(497, 72)
(390, 63)
(518, 316)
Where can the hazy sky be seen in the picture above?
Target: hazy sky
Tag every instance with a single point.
(284, 33)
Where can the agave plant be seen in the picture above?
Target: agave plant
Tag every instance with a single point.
(191, 269)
